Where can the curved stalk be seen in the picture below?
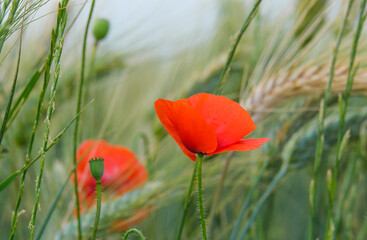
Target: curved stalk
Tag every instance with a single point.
(134, 230)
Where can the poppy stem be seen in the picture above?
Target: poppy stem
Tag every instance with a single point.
(98, 211)
(188, 198)
(133, 230)
(200, 196)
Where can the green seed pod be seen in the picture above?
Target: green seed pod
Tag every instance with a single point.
(100, 28)
(96, 166)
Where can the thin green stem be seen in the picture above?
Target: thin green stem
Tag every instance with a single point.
(232, 51)
(98, 209)
(187, 201)
(10, 21)
(134, 230)
(30, 147)
(344, 194)
(53, 207)
(12, 91)
(35, 124)
(14, 220)
(348, 88)
(3, 127)
(200, 194)
(39, 178)
(4, 9)
(79, 103)
(320, 140)
(24, 95)
(6, 115)
(247, 202)
(263, 199)
(315, 179)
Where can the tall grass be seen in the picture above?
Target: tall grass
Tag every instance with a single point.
(286, 69)
(320, 140)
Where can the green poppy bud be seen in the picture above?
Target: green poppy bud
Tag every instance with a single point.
(100, 28)
(96, 166)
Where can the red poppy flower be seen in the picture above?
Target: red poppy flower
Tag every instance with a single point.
(122, 170)
(208, 124)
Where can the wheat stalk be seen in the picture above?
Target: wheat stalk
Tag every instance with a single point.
(309, 80)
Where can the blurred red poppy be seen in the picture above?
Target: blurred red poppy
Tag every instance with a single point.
(122, 170)
(137, 216)
(208, 124)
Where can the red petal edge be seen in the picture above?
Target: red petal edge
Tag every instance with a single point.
(243, 145)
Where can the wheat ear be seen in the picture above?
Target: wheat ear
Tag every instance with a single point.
(309, 80)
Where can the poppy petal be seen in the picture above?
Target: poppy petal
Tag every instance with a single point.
(243, 145)
(228, 119)
(186, 126)
(136, 217)
(122, 170)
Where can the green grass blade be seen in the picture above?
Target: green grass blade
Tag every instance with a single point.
(247, 202)
(79, 103)
(351, 73)
(320, 140)
(282, 171)
(53, 207)
(5, 183)
(12, 91)
(232, 51)
(24, 95)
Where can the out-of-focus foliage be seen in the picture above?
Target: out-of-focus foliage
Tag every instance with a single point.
(278, 74)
